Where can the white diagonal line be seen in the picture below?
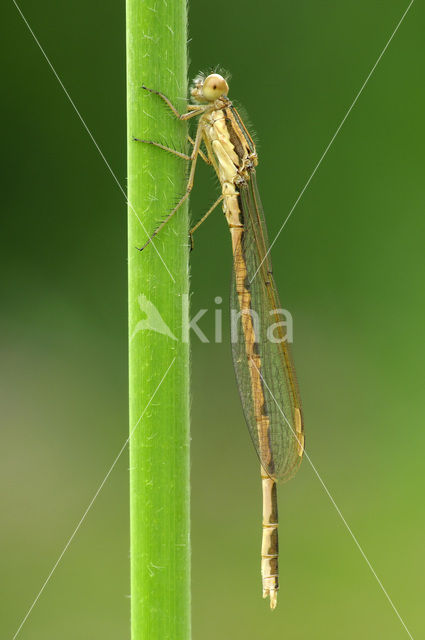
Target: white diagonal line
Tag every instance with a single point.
(99, 489)
(328, 493)
(333, 137)
(111, 171)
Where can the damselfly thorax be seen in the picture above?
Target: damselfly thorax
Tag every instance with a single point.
(233, 151)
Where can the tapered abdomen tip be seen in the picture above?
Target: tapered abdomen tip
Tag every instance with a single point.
(273, 597)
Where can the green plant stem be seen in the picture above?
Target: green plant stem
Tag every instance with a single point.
(159, 406)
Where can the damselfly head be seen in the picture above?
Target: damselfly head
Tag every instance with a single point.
(210, 88)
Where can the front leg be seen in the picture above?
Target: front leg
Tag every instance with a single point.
(194, 110)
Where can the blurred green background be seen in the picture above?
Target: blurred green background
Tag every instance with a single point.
(349, 266)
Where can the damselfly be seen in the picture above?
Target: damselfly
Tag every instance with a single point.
(263, 364)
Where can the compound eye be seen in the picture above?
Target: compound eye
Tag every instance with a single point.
(214, 86)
